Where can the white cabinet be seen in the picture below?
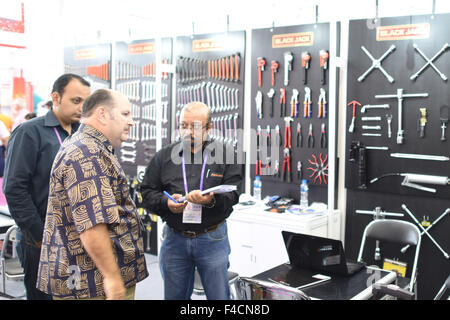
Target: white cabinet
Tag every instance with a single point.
(256, 241)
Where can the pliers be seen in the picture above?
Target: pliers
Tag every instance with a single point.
(310, 137)
(287, 132)
(299, 135)
(323, 137)
(282, 101)
(294, 103)
(307, 103)
(287, 161)
(258, 160)
(322, 112)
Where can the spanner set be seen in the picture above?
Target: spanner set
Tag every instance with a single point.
(135, 74)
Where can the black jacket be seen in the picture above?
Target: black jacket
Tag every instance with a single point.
(164, 173)
(31, 150)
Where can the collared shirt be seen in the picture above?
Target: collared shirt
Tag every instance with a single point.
(164, 173)
(29, 157)
(88, 187)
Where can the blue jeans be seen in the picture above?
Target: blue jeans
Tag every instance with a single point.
(208, 252)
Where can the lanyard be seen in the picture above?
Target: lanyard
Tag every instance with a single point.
(57, 134)
(201, 177)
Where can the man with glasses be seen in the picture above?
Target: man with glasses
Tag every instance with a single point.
(195, 235)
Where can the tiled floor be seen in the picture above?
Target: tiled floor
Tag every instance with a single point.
(149, 289)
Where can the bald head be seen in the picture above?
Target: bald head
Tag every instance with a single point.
(200, 110)
(101, 97)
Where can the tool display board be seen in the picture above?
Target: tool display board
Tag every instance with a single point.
(401, 63)
(277, 72)
(425, 208)
(210, 68)
(135, 72)
(91, 62)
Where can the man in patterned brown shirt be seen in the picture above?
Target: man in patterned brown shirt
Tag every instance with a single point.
(92, 244)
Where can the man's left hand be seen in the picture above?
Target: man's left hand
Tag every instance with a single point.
(197, 197)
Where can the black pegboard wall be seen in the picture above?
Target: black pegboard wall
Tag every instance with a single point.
(388, 193)
(271, 44)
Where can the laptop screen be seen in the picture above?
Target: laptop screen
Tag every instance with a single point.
(312, 252)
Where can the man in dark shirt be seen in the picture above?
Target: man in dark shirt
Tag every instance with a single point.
(29, 157)
(196, 231)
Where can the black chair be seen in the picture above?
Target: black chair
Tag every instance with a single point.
(10, 265)
(394, 231)
(444, 288)
(253, 289)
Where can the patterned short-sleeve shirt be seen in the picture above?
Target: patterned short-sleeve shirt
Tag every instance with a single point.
(88, 187)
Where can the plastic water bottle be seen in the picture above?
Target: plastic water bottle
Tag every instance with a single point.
(304, 195)
(257, 185)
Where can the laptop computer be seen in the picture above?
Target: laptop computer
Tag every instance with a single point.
(317, 253)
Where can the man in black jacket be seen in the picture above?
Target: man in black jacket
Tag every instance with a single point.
(196, 231)
(31, 150)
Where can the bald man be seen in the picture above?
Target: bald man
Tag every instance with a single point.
(195, 235)
(92, 246)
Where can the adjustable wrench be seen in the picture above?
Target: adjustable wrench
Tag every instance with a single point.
(306, 58)
(261, 63)
(274, 67)
(324, 56)
(288, 62)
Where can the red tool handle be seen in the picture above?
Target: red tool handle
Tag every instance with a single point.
(231, 68)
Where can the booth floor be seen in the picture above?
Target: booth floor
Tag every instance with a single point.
(149, 289)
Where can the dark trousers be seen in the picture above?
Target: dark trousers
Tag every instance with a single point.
(29, 257)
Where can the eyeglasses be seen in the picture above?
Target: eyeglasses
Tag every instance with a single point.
(196, 126)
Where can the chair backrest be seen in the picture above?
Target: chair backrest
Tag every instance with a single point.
(254, 289)
(395, 231)
(10, 235)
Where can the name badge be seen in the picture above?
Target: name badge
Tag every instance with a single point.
(192, 213)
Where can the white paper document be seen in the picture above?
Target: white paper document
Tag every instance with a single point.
(223, 188)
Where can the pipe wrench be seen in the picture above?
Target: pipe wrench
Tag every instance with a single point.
(288, 62)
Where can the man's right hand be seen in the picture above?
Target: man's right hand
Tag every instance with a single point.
(176, 207)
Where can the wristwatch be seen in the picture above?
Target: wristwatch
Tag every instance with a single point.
(213, 203)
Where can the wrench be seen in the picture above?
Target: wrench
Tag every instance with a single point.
(425, 231)
(376, 63)
(430, 62)
(389, 120)
(288, 61)
(375, 106)
(371, 127)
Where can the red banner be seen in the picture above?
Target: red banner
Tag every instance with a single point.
(403, 32)
(141, 48)
(293, 40)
